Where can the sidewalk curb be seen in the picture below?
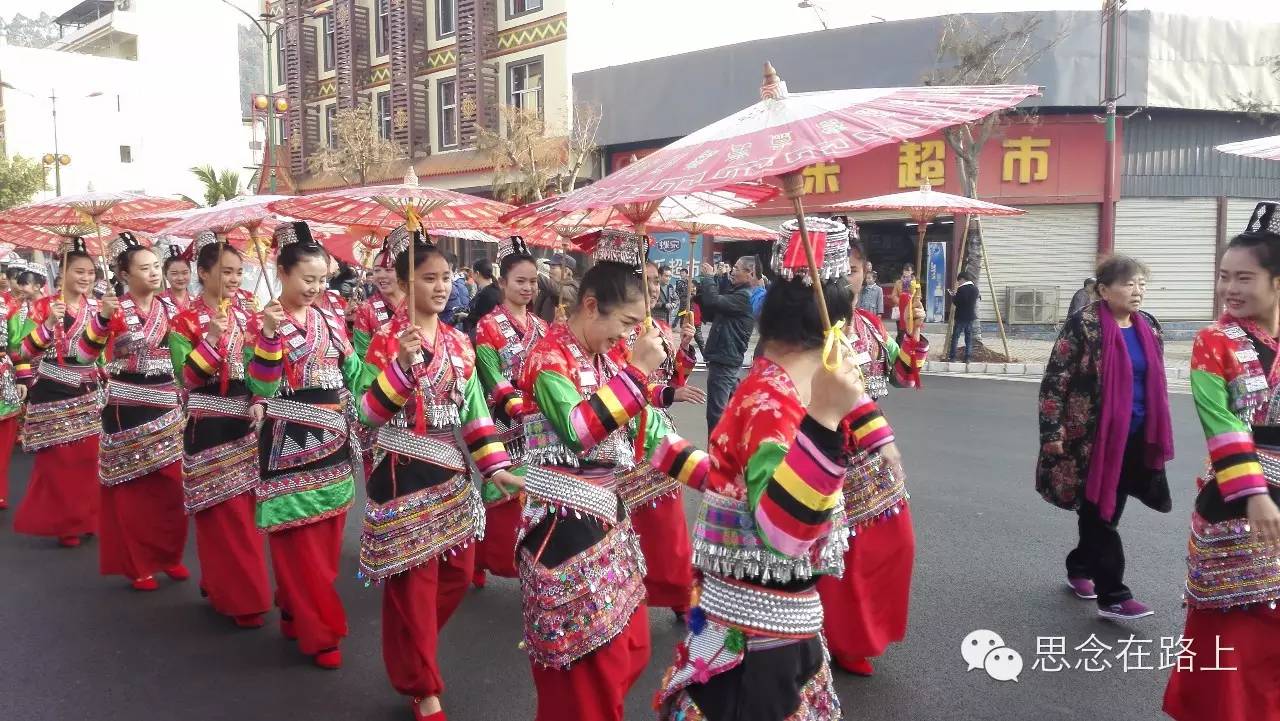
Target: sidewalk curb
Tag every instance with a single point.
(1172, 372)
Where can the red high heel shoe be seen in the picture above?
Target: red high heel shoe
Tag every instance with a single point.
(330, 660)
(859, 667)
(4, 504)
(414, 703)
(146, 584)
(178, 572)
(287, 629)
(69, 541)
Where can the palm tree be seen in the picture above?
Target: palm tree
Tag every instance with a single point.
(217, 186)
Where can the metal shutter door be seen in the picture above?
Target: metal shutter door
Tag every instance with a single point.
(1176, 238)
(1051, 246)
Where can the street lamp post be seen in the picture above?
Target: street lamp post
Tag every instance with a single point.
(56, 158)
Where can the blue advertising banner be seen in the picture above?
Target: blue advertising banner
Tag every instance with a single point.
(673, 249)
(935, 283)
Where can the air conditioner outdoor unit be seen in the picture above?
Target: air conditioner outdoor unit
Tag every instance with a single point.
(1026, 305)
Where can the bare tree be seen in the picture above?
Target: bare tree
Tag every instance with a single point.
(1262, 111)
(528, 162)
(360, 147)
(994, 53)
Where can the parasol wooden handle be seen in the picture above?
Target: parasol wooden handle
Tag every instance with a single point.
(793, 187)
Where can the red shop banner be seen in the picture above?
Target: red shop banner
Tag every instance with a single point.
(1049, 159)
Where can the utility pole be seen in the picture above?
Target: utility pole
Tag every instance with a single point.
(1113, 18)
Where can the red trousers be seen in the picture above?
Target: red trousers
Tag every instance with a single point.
(305, 560)
(233, 560)
(144, 526)
(866, 610)
(62, 498)
(8, 440)
(668, 554)
(594, 688)
(1249, 693)
(497, 552)
(416, 604)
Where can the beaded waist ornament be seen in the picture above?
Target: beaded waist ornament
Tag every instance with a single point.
(413, 529)
(219, 473)
(872, 492)
(436, 448)
(145, 448)
(1227, 566)
(725, 543)
(68, 374)
(585, 602)
(818, 701)
(553, 491)
(543, 447)
(63, 421)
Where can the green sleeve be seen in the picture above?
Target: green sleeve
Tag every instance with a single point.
(360, 341)
(179, 348)
(353, 372)
(488, 368)
(760, 469)
(474, 406)
(556, 397)
(1213, 405)
(19, 328)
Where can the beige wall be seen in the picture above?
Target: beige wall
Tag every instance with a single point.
(555, 83)
(550, 8)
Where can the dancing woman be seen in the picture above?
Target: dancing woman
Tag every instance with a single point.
(144, 527)
(586, 627)
(653, 497)
(303, 365)
(865, 609)
(770, 522)
(1233, 561)
(210, 343)
(504, 337)
(420, 390)
(62, 423)
(177, 276)
(12, 390)
(378, 308)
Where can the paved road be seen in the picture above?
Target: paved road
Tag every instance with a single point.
(77, 646)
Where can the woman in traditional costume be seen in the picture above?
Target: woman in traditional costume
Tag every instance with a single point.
(865, 610)
(504, 338)
(303, 366)
(378, 308)
(143, 524)
(1233, 583)
(771, 518)
(12, 390)
(653, 498)
(210, 343)
(421, 391)
(1105, 432)
(62, 422)
(177, 279)
(586, 627)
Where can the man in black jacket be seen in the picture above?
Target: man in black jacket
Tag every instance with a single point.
(964, 304)
(730, 333)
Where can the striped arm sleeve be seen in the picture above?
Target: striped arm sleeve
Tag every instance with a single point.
(385, 396)
(479, 432)
(23, 371)
(202, 364)
(35, 343)
(867, 425)
(661, 395)
(793, 508)
(908, 362)
(683, 461)
(268, 360)
(1232, 453)
(93, 341)
(685, 363)
(609, 408)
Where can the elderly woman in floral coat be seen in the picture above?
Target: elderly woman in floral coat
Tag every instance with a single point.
(1104, 430)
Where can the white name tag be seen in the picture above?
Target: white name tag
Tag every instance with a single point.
(1255, 383)
(588, 378)
(1246, 355)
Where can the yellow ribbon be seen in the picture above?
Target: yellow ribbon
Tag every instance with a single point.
(833, 347)
(411, 219)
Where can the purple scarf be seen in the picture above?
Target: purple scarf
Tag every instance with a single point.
(1117, 407)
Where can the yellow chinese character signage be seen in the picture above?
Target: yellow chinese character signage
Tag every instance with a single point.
(821, 178)
(1026, 160)
(922, 162)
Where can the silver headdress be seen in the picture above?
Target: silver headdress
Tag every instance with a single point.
(830, 240)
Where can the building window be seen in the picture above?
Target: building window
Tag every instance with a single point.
(126, 154)
(328, 42)
(382, 27)
(446, 14)
(384, 114)
(331, 124)
(522, 7)
(524, 85)
(280, 79)
(447, 102)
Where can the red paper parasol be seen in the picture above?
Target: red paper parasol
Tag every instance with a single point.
(33, 238)
(785, 132)
(923, 206)
(1265, 148)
